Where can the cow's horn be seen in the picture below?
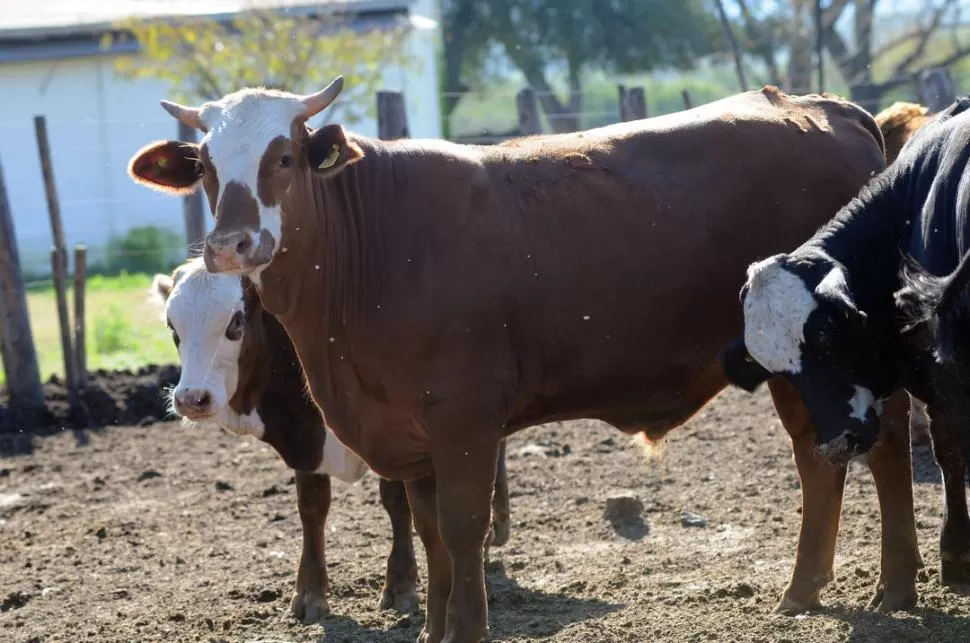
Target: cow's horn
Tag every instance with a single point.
(186, 115)
(316, 103)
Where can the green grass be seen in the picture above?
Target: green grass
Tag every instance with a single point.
(124, 327)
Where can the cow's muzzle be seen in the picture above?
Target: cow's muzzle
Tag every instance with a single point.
(856, 439)
(237, 252)
(193, 403)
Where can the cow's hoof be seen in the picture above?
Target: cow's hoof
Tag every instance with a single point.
(454, 638)
(790, 606)
(309, 607)
(893, 599)
(500, 532)
(404, 600)
(954, 568)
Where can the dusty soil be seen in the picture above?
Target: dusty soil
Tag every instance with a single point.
(165, 533)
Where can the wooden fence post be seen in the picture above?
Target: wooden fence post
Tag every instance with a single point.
(936, 89)
(633, 103)
(16, 339)
(528, 109)
(392, 116)
(685, 94)
(80, 346)
(58, 256)
(193, 211)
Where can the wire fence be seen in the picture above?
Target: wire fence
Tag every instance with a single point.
(100, 204)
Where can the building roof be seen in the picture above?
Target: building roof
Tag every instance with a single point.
(56, 29)
(39, 19)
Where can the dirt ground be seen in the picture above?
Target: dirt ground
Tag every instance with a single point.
(163, 533)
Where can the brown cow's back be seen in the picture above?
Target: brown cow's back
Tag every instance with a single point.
(582, 275)
(898, 123)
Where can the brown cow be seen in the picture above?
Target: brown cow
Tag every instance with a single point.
(441, 296)
(898, 123)
(239, 370)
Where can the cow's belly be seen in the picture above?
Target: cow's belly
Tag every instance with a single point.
(339, 461)
(632, 404)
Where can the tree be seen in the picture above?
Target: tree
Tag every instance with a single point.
(542, 36)
(856, 65)
(204, 58)
(771, 28)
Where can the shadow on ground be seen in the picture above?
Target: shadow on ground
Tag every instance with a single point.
(870, 626)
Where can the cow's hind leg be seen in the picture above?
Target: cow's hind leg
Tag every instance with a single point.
(822, 484)
(955, 535)
(501, 513)
(891, 464)
(424, 508)
(401, 582)
(313, 498)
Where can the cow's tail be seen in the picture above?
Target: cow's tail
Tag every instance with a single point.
(652, 451)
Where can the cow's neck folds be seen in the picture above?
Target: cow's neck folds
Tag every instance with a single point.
(866, 238)
(321, 278)
(321, 260)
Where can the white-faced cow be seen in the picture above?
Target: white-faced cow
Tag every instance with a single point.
(850, 318)
(239, 371)
(442, 296)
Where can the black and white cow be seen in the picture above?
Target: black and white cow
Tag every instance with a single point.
(848, 317)
(240, 371)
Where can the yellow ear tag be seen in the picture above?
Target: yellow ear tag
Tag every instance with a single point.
(330, 160)
(161, 161)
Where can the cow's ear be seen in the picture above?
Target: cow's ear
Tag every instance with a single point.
(162, 287)
(922, 294)
(167, 166)
(740, 368)
(834, 289)
(329, 150)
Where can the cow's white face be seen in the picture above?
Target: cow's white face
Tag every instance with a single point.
(255, 144)
(800, 322)
(776, 308)
(247, 159)
(206, 314)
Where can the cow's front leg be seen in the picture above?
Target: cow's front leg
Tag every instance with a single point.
(401, 582)
(822, 485)
(465, 471)
(955, 535)
(424, 509)
(892, 469)
(313, 498)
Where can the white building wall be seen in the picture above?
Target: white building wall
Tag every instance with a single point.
(96, 121)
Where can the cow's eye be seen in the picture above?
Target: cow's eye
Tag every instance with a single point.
(175, 336)
(286, 160)
(235, 328)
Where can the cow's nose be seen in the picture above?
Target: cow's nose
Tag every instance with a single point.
(227, 250)
(193, 402)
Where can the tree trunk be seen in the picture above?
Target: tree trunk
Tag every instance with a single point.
(800, 58)
(862, 61)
